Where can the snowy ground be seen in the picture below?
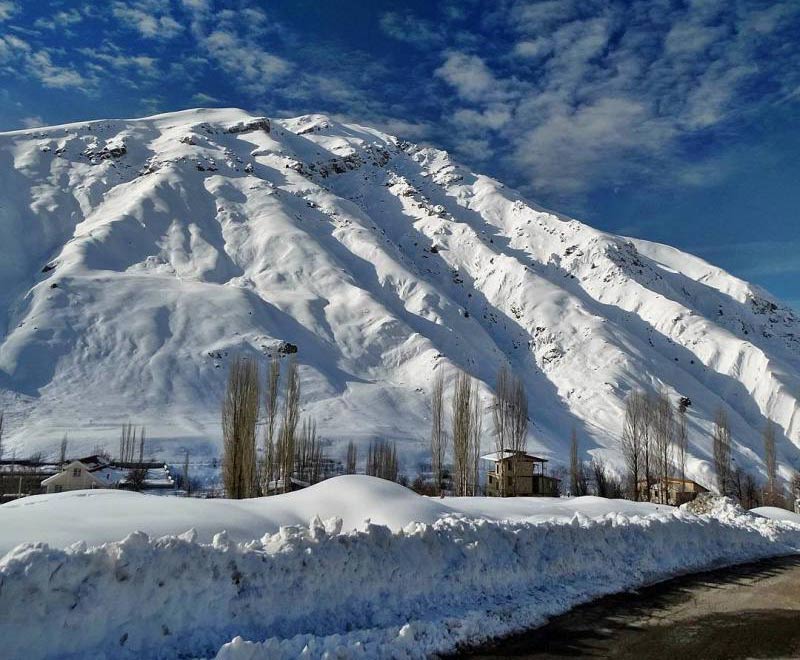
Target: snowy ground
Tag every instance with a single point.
(306, 573)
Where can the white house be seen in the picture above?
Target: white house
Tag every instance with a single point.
(75, 476)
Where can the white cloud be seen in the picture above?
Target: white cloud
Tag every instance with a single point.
(468, 75)
(7, 9)
(409, 28)
(41, 65)
(603, 92)
(492, 118)
(204, 99)
(253, 65)
(151, 18)
(38, 64)
(61, 20)
(34, 121)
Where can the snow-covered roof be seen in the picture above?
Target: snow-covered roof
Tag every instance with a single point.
(69, 467)
(497, 456)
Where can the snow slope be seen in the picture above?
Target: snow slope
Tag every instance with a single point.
(442, 572)
(138, 256)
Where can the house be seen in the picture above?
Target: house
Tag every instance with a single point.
(75, 476)
(517, 473)
(98, 472)
(673, 490)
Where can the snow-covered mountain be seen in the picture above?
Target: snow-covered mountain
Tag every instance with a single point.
(137, 257)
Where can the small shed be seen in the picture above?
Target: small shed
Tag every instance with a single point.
(517, 473)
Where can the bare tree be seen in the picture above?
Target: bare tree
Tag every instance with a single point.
(269, 468)
(136, 478)
(127, 443)
(519, 415)
(62, 453)
(239, 419)
(682, 438)
(770, 463)
(352, 458)
(744, 488)
(648, 449)
(722, 451)
(438, 432)
(606, 484)
(663, 432)
(577, 474)
(476, 431)
(510, 415)
(291, 415)
(308, 453)
(500, 415)
(382, 460)
(633, 432)
(462, 433)
(187, 484)
(2, 418)
(273, 377)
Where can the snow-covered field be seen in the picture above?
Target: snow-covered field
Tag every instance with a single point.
(138, 256)
(352, 567)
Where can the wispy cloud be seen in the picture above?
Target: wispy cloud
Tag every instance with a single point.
(204, 99)
(61, 20)
(411, 29)
(26, 60)
(7, 9)
(606, 93)
(150, 18)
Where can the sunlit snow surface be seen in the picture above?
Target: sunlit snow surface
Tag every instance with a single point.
(138, 256)
(306, 575)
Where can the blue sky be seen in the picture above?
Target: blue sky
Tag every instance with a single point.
(673, 121)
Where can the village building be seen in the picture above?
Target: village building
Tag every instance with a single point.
(517, 473)
(75, 476)
(673, 490)
(98, 472)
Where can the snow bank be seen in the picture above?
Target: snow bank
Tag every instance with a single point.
(103, 516)
(366, 592)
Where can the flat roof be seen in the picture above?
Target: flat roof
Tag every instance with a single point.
(497, 456)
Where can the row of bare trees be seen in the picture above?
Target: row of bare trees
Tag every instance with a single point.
(653, 437)
(465, 431)
(510, 420)
(655, 445)
(131, 444)
(382, 460)
(285, 453)
(596, 474)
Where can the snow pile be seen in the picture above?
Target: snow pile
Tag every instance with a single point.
(139, 256)
(363, 593)
(93, 516)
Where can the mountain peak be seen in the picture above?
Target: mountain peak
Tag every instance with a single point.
(140, 255)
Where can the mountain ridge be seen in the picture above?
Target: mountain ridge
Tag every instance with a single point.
(139, 255)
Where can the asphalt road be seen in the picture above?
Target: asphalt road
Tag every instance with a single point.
(748, 611)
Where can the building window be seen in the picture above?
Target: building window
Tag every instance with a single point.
(76, 472)
(58, 488)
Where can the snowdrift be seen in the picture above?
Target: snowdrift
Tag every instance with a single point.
(373, 591)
